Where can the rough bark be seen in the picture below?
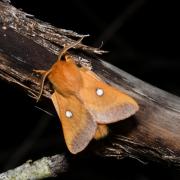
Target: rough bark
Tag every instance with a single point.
(152, 133)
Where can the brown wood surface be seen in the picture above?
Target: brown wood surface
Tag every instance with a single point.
(152, 133)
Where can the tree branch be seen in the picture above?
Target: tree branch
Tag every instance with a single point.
(40, 169)
(152, 133)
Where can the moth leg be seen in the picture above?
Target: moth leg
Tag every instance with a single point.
(69, 59)
(45, 74)
(42, 72)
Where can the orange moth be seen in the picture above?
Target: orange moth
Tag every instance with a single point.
(84, 102)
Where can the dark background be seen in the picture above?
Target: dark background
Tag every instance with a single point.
(142, 38)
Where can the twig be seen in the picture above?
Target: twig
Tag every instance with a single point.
(40, 169)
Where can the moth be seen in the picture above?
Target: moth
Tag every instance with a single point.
(84, 103)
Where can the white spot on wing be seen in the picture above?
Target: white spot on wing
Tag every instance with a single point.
(99, 91)
(69, 114)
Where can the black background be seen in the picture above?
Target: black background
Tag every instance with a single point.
(142, 38)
